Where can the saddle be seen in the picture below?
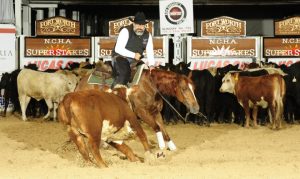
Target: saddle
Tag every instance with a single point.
(99, 77)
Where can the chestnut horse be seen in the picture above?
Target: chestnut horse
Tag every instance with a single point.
(147, 103)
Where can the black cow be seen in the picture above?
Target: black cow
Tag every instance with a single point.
(9, 84)
(292, 99)
(205, 93)
(226, 104)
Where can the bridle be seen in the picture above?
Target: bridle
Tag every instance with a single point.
(184, 119)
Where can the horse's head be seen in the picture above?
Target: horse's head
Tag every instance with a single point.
(185, 94)
(176, 85)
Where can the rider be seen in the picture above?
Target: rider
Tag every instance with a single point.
(130, 45)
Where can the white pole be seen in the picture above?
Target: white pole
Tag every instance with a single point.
(51, 12)
(26, 20)
(18, 15)
(62, 12)
(75, 15)
(39, 14)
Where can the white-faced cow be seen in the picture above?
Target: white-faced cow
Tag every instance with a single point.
(251, 92)
(41, 85)
(96, 115)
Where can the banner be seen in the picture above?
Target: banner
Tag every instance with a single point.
(201, 64)
(222, 47)
(57, 26)
(205, 52)
(7, 48)
(287, 27)
(50, 62)
(58, 47)
(281, 47)
(116, 25)
(223, 26)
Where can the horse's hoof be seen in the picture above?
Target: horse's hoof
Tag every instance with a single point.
(171, 145)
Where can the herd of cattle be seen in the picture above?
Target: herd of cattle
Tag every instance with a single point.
(264, 92)
(229, 94)
(217, 106)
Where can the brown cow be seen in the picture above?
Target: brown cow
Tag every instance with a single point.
(251, 92)
(97, 115)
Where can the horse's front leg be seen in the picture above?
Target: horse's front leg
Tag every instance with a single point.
(159, 122)
(156, 123)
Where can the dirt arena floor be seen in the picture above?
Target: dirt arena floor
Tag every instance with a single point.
(39, 149)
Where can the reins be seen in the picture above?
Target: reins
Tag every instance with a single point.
(183, 119)
(172, 107)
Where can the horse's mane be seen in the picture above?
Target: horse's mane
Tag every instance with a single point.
(166, 81)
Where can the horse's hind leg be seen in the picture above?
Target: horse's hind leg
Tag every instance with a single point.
(78, 140)
(94, 143)
(125, 149)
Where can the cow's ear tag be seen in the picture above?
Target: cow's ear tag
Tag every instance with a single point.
(294, 80)
(236, 78)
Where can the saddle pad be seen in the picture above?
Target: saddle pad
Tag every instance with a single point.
(93, 79)
(137, 75)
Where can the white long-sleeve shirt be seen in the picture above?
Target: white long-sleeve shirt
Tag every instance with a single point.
(121, 44)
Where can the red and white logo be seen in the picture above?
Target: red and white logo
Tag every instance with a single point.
(175, 13)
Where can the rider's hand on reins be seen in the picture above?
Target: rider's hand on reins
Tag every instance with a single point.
(137, 56)
(151, 68)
